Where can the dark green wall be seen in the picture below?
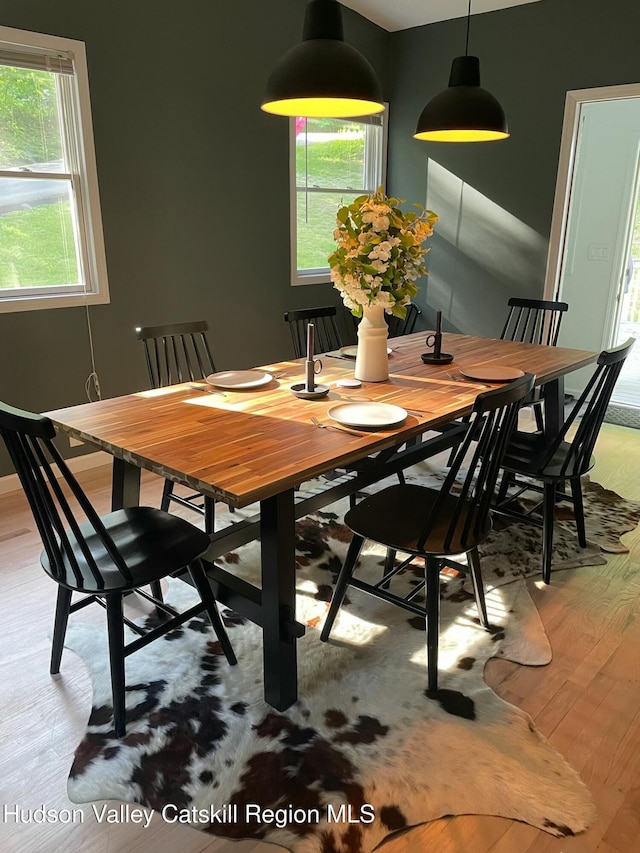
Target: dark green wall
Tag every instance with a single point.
(530, 56)
(194, 177)
(194, 187)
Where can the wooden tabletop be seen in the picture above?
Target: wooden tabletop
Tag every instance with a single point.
(248, 445)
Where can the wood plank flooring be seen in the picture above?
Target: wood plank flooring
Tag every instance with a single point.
(586, 702)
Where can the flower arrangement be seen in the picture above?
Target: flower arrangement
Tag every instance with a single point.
(380, 253)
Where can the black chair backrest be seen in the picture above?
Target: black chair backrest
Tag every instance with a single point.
(326, 335)
(42, 472)
(463, 503)
(176, 353)
(533, 321)
(405, 326)
(590, 409)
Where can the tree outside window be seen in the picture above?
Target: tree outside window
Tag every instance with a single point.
(51, 246)
(332, 162)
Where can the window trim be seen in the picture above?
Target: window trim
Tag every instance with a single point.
(74, 102)
(321, 275)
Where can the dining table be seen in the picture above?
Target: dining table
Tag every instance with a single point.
(254, 446)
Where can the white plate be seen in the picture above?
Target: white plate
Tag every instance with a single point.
(368, 415)
(491, 372)
(352, 351)
(239, 379)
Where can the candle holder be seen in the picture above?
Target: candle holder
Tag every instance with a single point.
(300, 390)
(435, 341)
(308, 390)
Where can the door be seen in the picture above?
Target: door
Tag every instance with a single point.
(594, 217)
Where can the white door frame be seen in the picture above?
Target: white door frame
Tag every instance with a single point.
(564, 181)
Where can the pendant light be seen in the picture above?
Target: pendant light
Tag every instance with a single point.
(464, 112)
(323, 77)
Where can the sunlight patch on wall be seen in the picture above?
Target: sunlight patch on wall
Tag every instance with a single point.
(478, 244)
(482, 230)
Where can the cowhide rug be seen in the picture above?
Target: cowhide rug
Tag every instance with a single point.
(364, 752)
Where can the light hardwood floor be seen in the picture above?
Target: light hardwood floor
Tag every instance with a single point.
(586, 702)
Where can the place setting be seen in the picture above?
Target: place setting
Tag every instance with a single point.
(472, 373)
(222, 383)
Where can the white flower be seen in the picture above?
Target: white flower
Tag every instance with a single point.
(381, 252)
(381, 223)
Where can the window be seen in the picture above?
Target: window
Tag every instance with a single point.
(51, 244)
(332, 162)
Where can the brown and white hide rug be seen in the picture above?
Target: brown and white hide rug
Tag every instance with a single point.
(364, 752)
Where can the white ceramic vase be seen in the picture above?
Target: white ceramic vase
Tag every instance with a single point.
(372, 361)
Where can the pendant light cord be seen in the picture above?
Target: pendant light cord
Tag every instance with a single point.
(466, 47)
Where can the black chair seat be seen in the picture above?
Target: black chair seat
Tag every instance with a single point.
(527, 454)
(151, 542)
(396, 517)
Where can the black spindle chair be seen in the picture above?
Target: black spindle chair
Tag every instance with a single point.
(406, 325)
(436, 524)
(534, 321)
(326, 333)
(553, 461)
(104, 557)
(177, 353)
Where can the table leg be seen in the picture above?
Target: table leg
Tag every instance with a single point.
(125, 484)
(277, 521)
(553, 394)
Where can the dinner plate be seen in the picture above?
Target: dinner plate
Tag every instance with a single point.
(368, 415)
(352, 351)
(239, 379)
(491, 372)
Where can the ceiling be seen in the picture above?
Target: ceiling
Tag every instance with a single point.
(403, 14)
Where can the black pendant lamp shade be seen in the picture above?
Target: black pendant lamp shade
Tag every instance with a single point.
(464, 112)
(323, 76)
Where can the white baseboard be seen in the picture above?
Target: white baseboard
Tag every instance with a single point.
(11, 483)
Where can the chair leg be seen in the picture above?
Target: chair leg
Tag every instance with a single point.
(389, 560)
(432, 581)
(209, 515)
(478, 586)
(115, 628)
(341, 585)
(63, 605)
(201, 583)
(537, 411)
(548, 514)
(156, 590)
(505, 481)
(167, 491)
(578, 508)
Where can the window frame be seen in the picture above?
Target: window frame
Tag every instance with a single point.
(78, 142)
(321, 275)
